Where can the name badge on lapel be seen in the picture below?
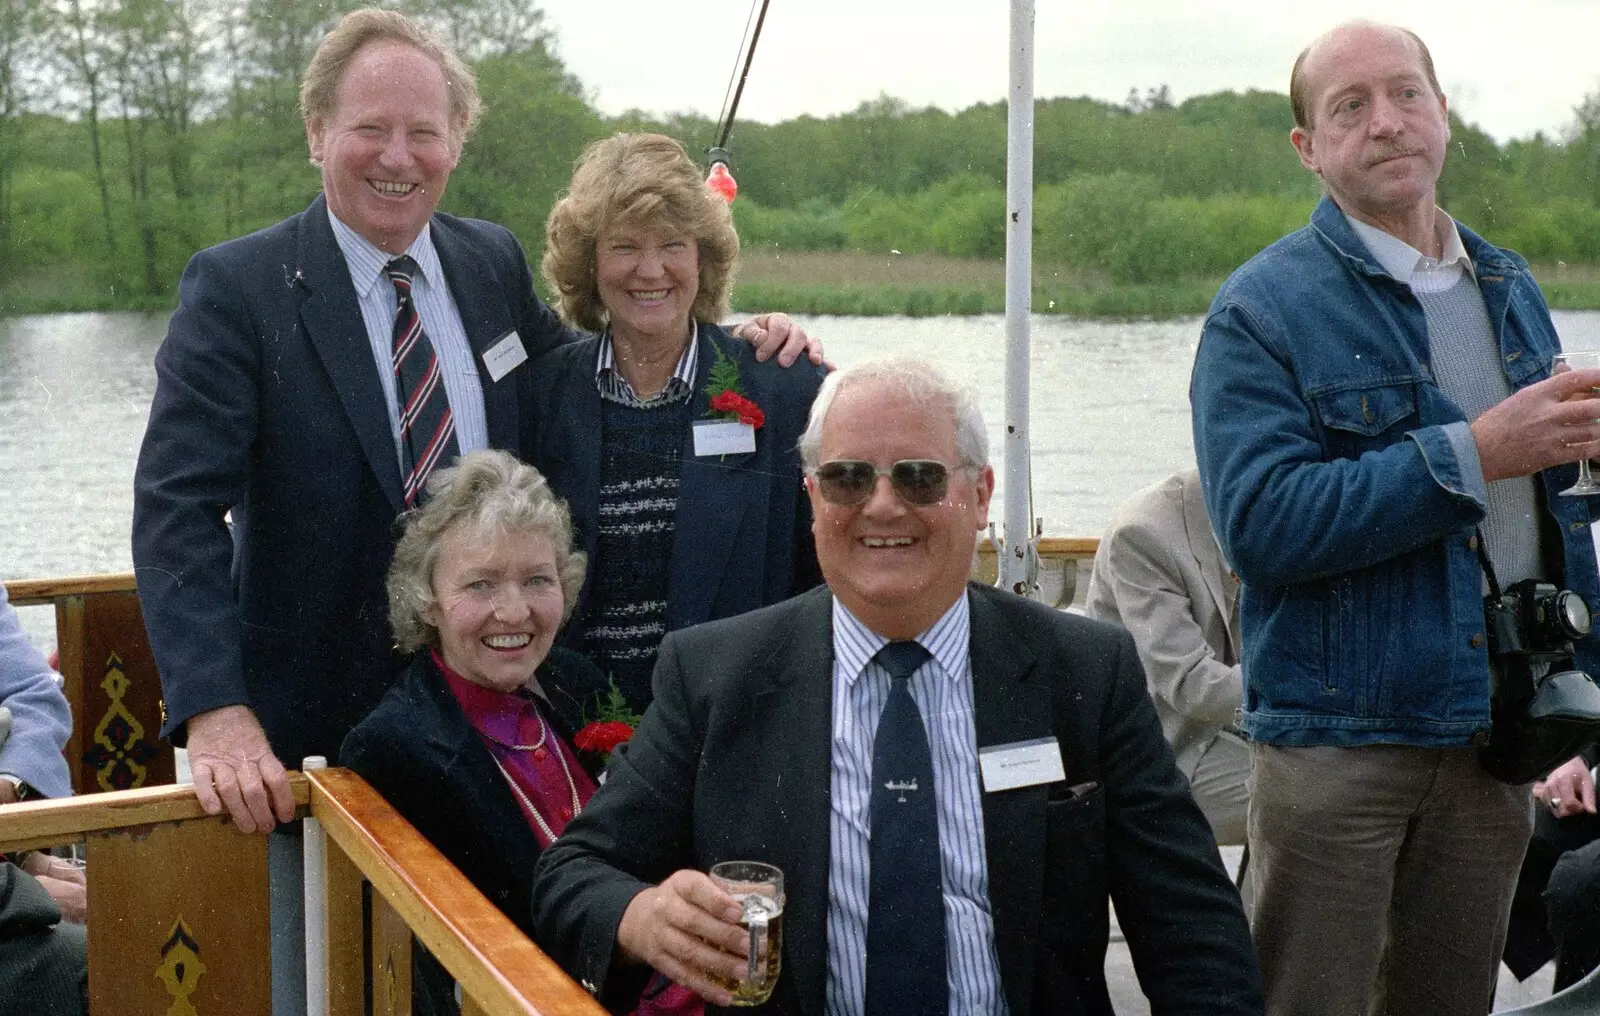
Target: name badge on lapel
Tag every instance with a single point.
(504, 356)
(723, 437)
(1022, 764)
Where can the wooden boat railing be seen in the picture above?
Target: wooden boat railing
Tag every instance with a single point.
(178, 918)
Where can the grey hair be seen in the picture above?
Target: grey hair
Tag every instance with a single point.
(916, 379)
(493, 493)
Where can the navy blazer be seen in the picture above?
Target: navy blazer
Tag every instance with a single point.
(419, 751)
(742, 534)
(268, 404)
(733, 761)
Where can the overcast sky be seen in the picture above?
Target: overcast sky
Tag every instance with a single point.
(1511, 67)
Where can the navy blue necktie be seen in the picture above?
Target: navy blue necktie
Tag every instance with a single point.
(905, 902)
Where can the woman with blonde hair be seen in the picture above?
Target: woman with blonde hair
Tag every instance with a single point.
(674, 447)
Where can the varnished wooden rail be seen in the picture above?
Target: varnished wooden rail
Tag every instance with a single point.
(31, 592)
(500, 970)
(158, 864)
(31, 825)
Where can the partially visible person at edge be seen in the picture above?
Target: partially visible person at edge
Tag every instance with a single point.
(837, 735)
(1369, 392)
(473, 743)
(1159, 574)
(43, 942)
(279, 398)
(679, 528)
(1556, 912)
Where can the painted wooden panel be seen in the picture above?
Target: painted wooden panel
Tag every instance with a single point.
(178, 921)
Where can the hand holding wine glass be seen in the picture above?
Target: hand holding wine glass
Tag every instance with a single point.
(1583, 360)
(1544, 424)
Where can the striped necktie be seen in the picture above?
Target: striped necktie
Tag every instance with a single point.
(427, 428)
(905, 896)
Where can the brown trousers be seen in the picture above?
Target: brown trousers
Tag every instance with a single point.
(1382, 878)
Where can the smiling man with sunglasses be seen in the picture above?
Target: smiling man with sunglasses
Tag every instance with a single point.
(952, 779)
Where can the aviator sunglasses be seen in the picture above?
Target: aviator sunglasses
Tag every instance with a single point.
(849, 482)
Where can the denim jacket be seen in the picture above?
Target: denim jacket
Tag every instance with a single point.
(1345, 490)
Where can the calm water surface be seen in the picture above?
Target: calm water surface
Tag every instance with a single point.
(1109, 415)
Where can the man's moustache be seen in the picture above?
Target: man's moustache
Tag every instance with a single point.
(1385, 154)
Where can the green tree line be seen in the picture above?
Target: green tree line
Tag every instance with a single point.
(133, 132)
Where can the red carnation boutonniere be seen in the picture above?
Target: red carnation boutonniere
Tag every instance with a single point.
(602, 738)
(613, 724)
(734, 406)
(728, 401)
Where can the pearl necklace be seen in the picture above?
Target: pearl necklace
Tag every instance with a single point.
(527, 803)
(544, 731)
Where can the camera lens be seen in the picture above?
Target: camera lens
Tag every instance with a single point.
(1571, 613)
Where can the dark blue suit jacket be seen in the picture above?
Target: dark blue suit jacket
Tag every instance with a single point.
(268, 404)
(743, 523)
(734, 761)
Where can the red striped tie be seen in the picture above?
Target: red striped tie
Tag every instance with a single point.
(427, 428)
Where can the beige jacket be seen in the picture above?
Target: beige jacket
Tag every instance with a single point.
(1159, 574)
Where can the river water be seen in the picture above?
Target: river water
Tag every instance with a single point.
(1110, 414)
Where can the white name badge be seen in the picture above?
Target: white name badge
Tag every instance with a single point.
(1023, 764)
(502, 357)
(723, 437)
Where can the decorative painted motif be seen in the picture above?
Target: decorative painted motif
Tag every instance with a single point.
(180, 969)
(120, 749)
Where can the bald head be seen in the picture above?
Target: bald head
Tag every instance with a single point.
(1311, 66)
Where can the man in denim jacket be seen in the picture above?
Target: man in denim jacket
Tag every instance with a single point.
(1369, 393)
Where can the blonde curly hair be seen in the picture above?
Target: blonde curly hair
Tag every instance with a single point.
(644, 180)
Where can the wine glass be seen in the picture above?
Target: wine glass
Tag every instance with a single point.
(1584, 360)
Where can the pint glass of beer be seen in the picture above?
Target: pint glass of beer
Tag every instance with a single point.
(758, 889)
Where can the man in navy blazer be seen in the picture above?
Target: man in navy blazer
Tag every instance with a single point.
(272, 632)
(1053, 786)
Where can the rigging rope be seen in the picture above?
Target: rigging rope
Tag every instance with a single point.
(731, 110)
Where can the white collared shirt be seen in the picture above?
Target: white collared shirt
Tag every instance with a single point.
(440, 320)
(942, 689)
(1409, 265)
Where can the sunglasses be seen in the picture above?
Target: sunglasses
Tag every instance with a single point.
(849, 482)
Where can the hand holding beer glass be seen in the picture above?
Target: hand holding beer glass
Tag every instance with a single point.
(758, 889)
(719, 935)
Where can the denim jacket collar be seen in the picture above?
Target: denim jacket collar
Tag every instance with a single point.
(1492, 263)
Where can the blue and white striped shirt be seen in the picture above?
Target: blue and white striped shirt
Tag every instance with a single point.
(440, 319)
(942, 688)
(679, 386)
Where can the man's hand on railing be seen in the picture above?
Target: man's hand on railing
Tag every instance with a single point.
(234, 768)
(63, 881)
(685, 927)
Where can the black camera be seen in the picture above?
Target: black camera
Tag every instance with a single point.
(1534, 620)
(1542, 709)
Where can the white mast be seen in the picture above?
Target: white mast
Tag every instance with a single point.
(1018, 565)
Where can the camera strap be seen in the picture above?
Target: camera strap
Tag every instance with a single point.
(1483, 560)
